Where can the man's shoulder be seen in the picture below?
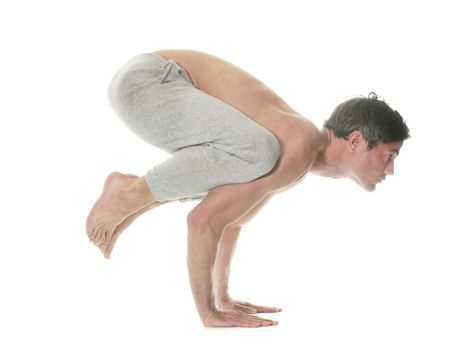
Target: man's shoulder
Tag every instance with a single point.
(298, 153)
(302, 138)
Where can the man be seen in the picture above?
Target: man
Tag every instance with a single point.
(235, 144)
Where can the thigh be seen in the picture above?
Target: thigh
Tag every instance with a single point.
(189, 117)
(139, 94)
(156, 99)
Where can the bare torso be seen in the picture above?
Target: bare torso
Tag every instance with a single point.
(299, 138)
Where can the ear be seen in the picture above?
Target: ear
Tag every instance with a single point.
(356, 140)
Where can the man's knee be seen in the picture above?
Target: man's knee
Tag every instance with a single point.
(195, 218)
(200, 221)
(267, 152)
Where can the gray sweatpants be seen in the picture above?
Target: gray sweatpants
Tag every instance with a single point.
(211, 142)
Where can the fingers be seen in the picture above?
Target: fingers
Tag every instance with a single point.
(255, 321)
(246, 320)
(258, 308)
(241, 319)
(266, 309)
(248, 308)
(245, 309)
(237, 319)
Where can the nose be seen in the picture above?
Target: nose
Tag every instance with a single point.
(390, 168)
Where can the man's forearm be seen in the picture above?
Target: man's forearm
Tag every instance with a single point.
(226, 249)
(222, 264)
(223, 206)
(202, 249)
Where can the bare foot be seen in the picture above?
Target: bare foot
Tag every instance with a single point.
(107, 246)
(122, 196)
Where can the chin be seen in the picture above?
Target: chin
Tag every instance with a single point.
(366, 186)
(369, 187)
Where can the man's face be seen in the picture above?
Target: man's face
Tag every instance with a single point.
(370, 167)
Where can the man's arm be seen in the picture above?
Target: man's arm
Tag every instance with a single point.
(222, 206)
(222, 265)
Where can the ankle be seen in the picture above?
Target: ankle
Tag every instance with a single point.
(137, 191)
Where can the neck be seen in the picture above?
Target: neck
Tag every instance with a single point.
(329, 157)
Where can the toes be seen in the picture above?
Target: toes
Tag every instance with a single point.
(98, 235)
(104, 245)
(109, 234)
(91, 234)
(95, 231)
(106, 250)
(103, 248)
(106, 253)
(102, 237)
(108, 247)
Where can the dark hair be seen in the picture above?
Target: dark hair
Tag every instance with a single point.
(378, 122)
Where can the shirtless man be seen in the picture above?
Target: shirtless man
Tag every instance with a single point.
(360, 141)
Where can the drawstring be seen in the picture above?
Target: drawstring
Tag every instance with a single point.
(167, 72)
(181, 71)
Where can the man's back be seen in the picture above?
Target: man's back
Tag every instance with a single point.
(299, 138)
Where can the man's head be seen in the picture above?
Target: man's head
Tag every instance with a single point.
(374, 134)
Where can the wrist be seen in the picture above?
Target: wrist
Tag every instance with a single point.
(205, 315)
(222, 301)
(206, 308)
(221, 296)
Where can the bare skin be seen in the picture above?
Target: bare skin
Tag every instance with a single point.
(214, 224)
(122, 196)
(107, 245)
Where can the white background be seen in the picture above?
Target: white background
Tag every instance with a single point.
(351, 269)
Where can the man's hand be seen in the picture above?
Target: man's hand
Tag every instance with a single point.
(234, 318)
(237, 305)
